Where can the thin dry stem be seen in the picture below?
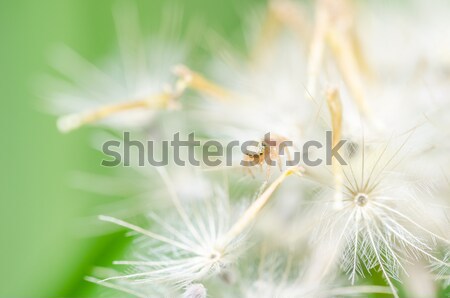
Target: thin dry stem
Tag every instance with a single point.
(316, 51)
(344, 54)
(199, 83)
(165, 99)
(249, 215)
(71, 122)
(334, 28)
(335, 107)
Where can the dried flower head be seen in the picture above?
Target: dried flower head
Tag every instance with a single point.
(381, 221)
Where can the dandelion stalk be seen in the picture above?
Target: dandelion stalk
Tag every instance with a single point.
(250, 214)
(334, 28)
(199, 83)
(335, 108)
(74, 121)
(166, 99)
(316, 51)
(345, 57)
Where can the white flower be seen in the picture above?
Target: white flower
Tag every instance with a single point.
(200, 244)
(190, 251)
(384, 210)
(131, 86)
(384, 219)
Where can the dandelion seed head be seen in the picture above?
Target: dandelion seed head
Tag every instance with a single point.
(139, 70)
(372, 214)
(361, 199)
(186, 247)
(377, 224)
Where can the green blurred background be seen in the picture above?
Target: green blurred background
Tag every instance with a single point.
(40, 253)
